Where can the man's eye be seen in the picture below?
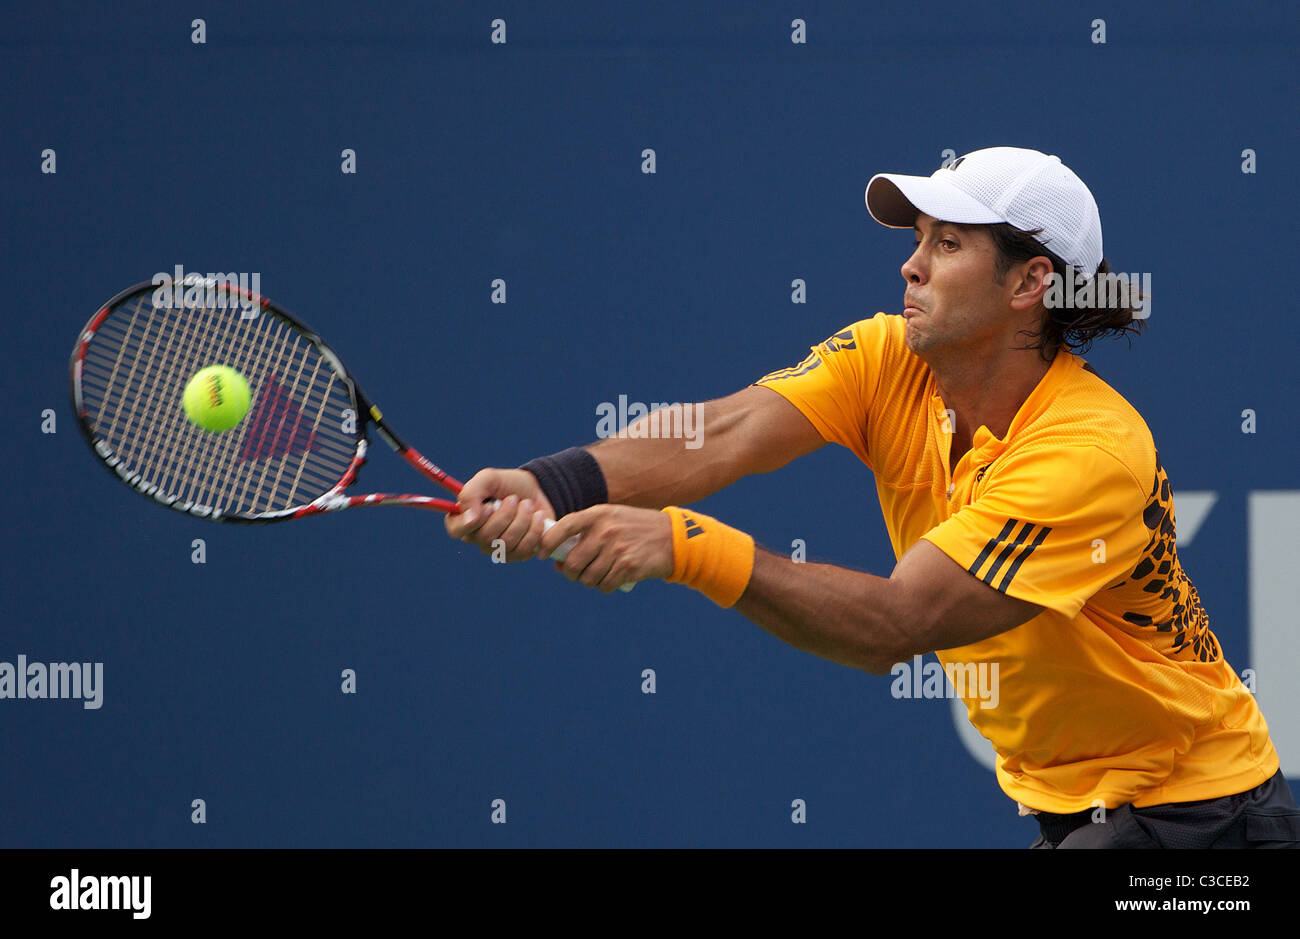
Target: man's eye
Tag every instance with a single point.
(949, 242)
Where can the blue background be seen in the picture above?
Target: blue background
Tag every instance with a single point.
(523, 161)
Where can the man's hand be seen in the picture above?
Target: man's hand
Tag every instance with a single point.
(517, 522)
(619, 545)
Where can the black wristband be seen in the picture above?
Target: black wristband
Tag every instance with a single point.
(571, 480)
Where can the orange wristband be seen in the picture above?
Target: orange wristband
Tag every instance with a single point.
(710, 557)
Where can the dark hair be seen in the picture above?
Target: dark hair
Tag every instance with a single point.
(1073, 328)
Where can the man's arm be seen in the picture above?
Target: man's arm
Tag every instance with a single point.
(928, 603)
(754, 430)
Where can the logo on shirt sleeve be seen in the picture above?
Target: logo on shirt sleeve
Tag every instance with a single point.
(1007, 550)
(841, 340)
(810, 362)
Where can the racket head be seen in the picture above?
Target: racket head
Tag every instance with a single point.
(302, 441)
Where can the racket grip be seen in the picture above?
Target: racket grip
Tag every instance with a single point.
(562, 552)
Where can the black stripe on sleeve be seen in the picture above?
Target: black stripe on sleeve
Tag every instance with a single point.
(993, 543)
(1011, 571)
(1006, 553)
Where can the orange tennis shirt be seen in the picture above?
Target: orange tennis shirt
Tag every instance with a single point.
(1118, 691)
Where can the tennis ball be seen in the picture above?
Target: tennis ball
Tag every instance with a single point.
(217, 398)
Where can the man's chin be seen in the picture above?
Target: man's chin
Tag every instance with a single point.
(915, 339)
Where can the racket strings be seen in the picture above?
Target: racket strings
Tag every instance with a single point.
(205, 465)
(174, 468)
(291, 447)
(143, 442)
(185, 468)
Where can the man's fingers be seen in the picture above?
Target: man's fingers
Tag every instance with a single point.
(517, 527)
(572, 524)
(494, 522)
(471, 516)
(596, 570)
(505, 506)
(474, 502)
(618, 575)
(577, 558)
(532, 538)
(463, 523)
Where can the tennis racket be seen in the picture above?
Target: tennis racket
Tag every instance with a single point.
(302, 442)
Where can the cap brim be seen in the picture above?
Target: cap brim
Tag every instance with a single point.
(894, 201)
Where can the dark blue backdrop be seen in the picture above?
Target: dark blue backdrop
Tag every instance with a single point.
(522, 161)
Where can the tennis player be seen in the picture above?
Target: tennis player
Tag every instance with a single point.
(1025, 500)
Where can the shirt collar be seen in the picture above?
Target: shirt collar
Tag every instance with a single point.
(1062, 369)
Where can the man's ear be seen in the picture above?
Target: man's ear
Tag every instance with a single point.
(1030, 281)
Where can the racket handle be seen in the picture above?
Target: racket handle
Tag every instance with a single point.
(562, 552)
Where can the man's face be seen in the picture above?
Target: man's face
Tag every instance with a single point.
(952, 300)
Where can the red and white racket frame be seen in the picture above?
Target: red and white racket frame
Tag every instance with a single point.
(332, 501)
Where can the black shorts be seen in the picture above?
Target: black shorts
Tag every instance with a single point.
(1263, 817)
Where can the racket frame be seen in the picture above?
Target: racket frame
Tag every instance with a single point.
(332, 501)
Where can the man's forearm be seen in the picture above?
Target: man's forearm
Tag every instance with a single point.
(652, 472)
(845, 616)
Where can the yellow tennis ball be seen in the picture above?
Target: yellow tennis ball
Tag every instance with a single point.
(217, 398)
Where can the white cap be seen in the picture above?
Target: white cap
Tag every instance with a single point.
(1028, 189)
